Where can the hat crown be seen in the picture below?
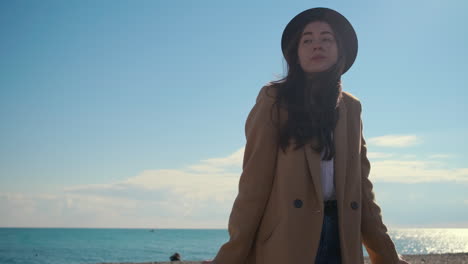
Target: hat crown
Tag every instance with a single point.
(337, 21)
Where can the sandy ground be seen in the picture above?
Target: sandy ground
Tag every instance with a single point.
(459, 258)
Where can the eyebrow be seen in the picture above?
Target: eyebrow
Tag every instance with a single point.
(321, 33)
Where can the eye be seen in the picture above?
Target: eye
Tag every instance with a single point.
(307, 41)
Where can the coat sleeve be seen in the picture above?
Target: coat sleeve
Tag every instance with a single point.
(375, 238)
(255, 181)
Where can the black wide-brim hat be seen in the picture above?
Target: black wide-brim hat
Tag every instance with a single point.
(338, 23)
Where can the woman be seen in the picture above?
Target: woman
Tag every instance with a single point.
(304, 193)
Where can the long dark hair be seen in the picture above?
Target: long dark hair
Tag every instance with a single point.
(311, 104)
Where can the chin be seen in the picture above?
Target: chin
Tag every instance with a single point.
(318, 69)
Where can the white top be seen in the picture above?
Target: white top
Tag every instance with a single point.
(327, 178)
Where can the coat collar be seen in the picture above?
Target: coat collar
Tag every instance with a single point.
(341, 143)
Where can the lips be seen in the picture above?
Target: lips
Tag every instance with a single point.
(318, 57)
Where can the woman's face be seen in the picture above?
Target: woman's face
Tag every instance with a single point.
(317, 48)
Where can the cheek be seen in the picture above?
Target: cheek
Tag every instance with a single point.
(334, 54)
(302, 55)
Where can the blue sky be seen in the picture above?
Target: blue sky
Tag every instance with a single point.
(131, 113)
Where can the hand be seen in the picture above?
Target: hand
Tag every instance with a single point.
(402, 261)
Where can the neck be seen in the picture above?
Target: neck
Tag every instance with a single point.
(319, 88)
(313, 83)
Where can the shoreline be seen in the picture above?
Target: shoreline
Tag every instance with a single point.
(447, 258)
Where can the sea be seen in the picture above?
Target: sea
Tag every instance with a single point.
(88, 245)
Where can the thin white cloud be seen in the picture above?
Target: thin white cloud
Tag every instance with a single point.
(154, 198)
(209, 179)
(235, 159)
(220, 164)
(440, 156)
(394, 141)
(413, 171)
(62, 209)
(379, 155)
(198, 196)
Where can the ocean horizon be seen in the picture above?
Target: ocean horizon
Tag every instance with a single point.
(95, 245)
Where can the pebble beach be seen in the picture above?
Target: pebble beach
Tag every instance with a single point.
(456, 258)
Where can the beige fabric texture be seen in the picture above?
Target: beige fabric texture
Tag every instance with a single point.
(266, 227)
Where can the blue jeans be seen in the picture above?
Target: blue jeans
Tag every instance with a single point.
(329, 248)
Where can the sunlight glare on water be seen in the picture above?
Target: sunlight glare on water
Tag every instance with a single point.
(430, 240)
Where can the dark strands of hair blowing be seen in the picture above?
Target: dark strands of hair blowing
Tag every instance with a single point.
(311, 103)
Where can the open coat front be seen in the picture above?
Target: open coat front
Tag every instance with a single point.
(278, 213)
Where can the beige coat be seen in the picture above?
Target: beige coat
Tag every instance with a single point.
(267, 227)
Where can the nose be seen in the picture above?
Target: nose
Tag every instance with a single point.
(317, 45)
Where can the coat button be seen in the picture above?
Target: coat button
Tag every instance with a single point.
(354, 205)
(297, 203)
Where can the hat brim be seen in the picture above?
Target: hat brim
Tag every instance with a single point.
(338, 22)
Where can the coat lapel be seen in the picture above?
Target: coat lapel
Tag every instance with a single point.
(341, 143)
(341, 147)
(313, 160)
